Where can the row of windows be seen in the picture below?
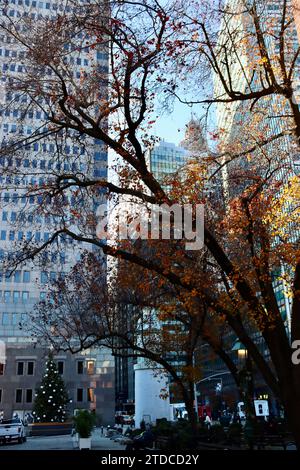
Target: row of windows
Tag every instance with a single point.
(12, 235)
(13, 318)
(16, 295)
(14, 67)
(48, 276)
(45, 278)
(40, 4)
(28, 367)
(22, 217)
(21, 395)
(26, 395)
(22, 130)
(18, 113)
(158, 157)
(45, 256)
(18, 276)
(99, 156)
(21, 68)
(50, 164)
(15, 198)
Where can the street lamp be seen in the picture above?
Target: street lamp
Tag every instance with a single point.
(241, 350)
(245, 373)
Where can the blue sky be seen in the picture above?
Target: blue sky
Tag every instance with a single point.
(171, 127)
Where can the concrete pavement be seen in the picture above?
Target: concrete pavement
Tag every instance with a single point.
(68, 442)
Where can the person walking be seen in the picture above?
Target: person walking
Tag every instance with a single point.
(207, 421)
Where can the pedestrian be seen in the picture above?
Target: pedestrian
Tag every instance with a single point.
(102, 430)
(207, 421)
(143, 440)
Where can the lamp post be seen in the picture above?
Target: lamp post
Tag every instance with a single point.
(245, 374)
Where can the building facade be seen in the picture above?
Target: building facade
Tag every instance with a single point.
(25, 219)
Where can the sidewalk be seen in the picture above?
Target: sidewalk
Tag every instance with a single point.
(100, 442)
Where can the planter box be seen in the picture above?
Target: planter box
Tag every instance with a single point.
(85, 443)
(49, 429)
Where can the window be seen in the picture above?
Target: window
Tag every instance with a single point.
(0, 395)
(17, 276)
(60, 367)
(26, 276)
(30, 368)
(14, 318)
(44, 277)
(90, 367)
(19, 393)
(5, 319)
(79, 367)
(90, 394)
(16, 296)
(79, 394)
(20, 368)
(29, 395)
(2, 366)
(25, 295)
(42, 295)
(3, 234)
(4, 216)
(6, 296)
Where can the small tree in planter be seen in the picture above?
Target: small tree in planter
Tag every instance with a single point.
(84, 423)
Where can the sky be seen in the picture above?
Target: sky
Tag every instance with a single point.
(171, 127)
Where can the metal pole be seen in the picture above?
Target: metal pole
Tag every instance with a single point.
(195, 391)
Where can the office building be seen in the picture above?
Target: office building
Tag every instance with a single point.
(26, 218)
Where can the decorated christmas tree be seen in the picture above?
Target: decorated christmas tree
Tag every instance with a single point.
(51, 399)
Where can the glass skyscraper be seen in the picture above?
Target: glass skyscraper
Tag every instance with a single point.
(165, 159)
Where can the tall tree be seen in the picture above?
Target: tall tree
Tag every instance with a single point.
(155, 48)
(51, 399)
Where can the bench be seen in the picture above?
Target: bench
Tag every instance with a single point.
(214, 446)
(272, 440)
(162, 442)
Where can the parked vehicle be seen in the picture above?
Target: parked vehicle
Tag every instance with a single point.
(127, 419)
(12, 429)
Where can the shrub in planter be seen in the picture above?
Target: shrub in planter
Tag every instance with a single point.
(163, 428)
(234, 433)
(185, 439)
(84, 422)
(203, 433)
(217, 433)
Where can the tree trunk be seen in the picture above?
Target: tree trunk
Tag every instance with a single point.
(291, 404)
(188, 396)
